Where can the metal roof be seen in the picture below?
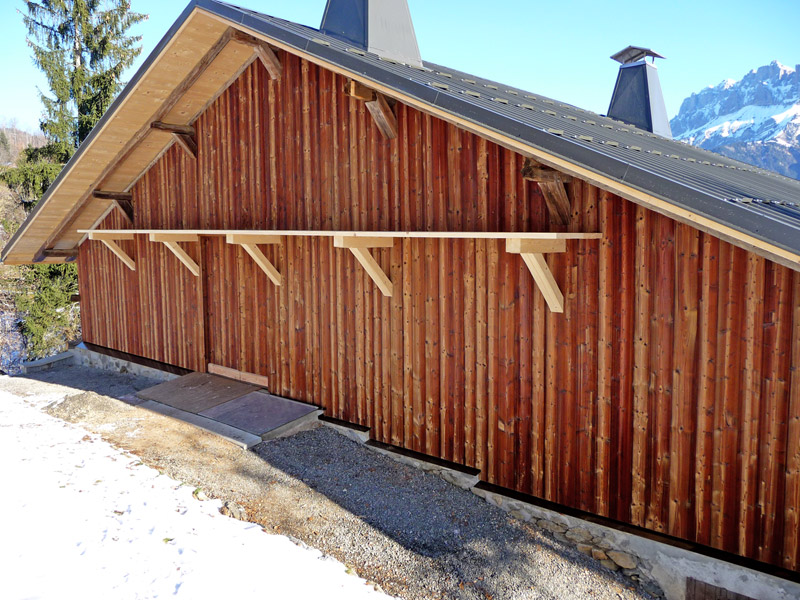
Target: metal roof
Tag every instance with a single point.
(746, 198)
(756, 202)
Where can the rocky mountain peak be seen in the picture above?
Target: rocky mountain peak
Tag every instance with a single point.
(755, 119)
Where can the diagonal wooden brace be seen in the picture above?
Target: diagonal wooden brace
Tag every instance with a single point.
(360, 246)
(171, 241)
(248, 242)
(531, 252)
(110, 242)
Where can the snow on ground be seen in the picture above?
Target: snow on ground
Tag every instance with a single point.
(82, 519)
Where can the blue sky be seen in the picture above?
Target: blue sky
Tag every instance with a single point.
(558, 49)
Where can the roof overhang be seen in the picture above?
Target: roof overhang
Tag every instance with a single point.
(198, 59)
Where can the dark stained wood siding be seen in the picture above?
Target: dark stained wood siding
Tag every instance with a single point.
(666, 395)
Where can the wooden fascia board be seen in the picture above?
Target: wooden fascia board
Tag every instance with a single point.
(659, 205)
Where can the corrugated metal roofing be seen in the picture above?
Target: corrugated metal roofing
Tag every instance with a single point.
(752, 200)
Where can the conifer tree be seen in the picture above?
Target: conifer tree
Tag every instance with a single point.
(83, 48)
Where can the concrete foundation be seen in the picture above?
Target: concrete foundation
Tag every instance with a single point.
(88, 358)
(661, 568)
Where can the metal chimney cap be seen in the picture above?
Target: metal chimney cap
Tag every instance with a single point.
(633, 54)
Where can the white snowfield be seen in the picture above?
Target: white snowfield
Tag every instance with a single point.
(82, 519)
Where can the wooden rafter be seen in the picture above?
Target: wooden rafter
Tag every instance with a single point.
(248, 242)
(360, 246)
(263, 52)
(378, 107)
(69, 254)
(172, 241)
(110, 240)
(552, 183)
(532, 252)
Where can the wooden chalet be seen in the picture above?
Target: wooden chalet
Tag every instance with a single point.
(584, 311)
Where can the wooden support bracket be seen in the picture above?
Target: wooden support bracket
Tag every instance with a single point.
(248, 242)
(263, 52)
(383, 116)
(110, 240)
(551, 182)
(188, 143)
(377, 105)
(531, 252)
(120, 200)
(184, 135)
(171, 241)
(360, 246)
(126, 208)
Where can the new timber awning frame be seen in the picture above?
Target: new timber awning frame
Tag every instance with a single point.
(530, 246)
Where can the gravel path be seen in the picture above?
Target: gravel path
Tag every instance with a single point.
(412, 533)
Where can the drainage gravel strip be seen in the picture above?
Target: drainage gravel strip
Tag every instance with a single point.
(410, 533)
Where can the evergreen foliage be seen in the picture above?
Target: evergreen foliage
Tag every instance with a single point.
(5, 148)
(82, 47)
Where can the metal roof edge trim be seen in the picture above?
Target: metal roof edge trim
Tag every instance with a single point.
(107, 116)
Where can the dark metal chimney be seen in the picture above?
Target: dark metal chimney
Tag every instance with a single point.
(383, 27)
(637, 97)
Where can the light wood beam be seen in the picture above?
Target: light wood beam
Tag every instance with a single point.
(173, 236)
(171, 241)
(252, 238)
(375, 238)
(248, 242)
(121, 254)
(383, 116)
(343, 241)
(523, 246)
(111, 235)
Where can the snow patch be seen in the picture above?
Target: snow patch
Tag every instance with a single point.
(82, 519)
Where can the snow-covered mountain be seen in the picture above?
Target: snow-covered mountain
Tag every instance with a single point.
(755, 120)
